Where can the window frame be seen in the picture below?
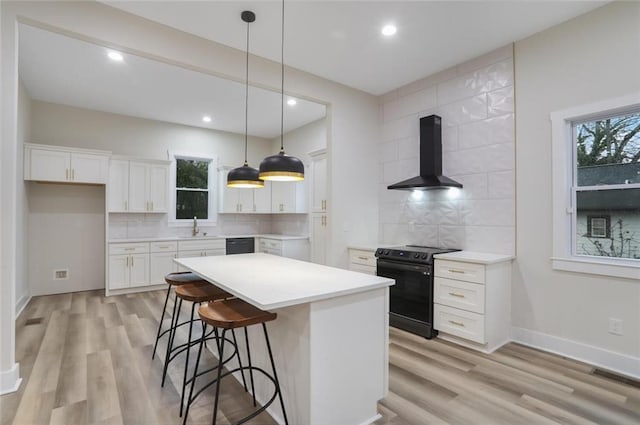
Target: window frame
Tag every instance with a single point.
(564, 171)
(211, 180)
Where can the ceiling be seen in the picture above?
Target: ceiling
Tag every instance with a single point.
(341, 40)
(58, 69)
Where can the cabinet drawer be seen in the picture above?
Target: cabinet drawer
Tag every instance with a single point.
(463, 324)
(362, 269)
(469, 272)
(168, 246)
(459, 294)
(365, 258)
(201, 245)
(128, 248)
(271, 244)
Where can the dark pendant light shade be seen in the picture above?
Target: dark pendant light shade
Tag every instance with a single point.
(282, 167)
(245, 176)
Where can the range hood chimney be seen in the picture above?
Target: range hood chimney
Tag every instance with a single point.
(430, 159)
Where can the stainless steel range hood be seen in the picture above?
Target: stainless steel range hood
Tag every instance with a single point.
(430, 159)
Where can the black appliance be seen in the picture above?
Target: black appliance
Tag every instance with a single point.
(430, 159)
(411, 298)
(240, 246)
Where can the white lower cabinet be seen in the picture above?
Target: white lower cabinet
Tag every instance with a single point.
(472, 299)
(291, 248)
(201, 248)
(128, 265)
(362, 260)
(161, 261)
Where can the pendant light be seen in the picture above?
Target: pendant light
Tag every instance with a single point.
(282, 167)
(245, 176)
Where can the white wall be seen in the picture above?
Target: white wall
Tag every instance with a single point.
(590, 58)
(24, 134)
(122, 135)
(475, 101)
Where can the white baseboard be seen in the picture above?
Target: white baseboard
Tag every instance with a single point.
(21, 304)
(10, 380)
(612, 361)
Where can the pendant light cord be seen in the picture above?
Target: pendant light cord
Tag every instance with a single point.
(246, 100)
(282, 85)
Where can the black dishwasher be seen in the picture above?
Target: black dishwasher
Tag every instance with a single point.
(240, 246)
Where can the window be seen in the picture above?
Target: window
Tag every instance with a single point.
(596, 176)
(598, 227)
(193, 195)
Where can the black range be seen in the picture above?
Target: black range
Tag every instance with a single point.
(411, 298)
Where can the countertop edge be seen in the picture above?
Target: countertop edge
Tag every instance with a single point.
(207, 238)
(475, 257)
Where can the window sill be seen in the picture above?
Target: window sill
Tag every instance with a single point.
(189, 223)
(620, 268)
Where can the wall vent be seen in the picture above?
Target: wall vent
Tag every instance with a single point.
(61, 274)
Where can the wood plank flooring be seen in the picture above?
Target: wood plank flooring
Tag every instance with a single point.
(86, 359)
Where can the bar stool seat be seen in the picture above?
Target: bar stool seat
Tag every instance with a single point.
(180, 278)
(200, 292)
(227, 315)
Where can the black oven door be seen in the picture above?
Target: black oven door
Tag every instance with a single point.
(411, 298)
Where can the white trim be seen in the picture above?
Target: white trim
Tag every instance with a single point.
(21, 304)
(562, 177)
(10, 380)
(612, 361)
(372, 420)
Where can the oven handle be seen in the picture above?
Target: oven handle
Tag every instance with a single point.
(404, 267)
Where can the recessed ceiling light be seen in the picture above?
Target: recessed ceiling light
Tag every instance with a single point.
(291, 102)
(115, 56)
(206, 118)
(389, 30)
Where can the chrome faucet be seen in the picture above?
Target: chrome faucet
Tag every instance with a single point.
(195, 230)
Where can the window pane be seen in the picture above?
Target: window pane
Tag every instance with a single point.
(622, 209)
(192, 174)
(191, 204)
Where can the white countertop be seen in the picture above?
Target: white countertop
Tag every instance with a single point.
(270, 282)
(212, 237)
(474, 257)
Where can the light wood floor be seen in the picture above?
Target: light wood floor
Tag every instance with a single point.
(86, 359)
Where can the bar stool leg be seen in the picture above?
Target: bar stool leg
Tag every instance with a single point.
(275, 376)
(166, 301)
(215, 404)
(235, 341)
(172, 334)
(195, 372)
(186, 363)
(253, 388)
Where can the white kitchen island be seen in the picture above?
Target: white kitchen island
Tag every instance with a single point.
(330, 340)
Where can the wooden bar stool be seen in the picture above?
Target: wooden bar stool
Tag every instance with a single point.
(228, 315)
(196, 293)
(173, 279)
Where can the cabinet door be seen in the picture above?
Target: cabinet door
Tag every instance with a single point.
(187, 254)
(319, 184)
(118, 271)
(319, 238)
(138, 270)
(138, 184)
(262, 199)
(160, 265)
(51, 165)
(158, 188)
(118, 186)
(283, 197)
(89, 168)
(228, 196)
(245, 200)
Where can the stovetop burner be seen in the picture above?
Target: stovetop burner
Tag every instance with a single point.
(411, 253)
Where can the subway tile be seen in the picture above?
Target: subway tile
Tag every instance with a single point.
(450, 137)
(410, 104)
(494, 56)
(427, 82)
(500, 102)
(451, 237)
(492, 212)
(421, 234)
(395, 234)
(408, 168)
(487, 132)
(464, 111)
(490, 239)
(388, 151)
(501, 184)
(475, 186)
(408, 148)
(400, 128)
(391, 172)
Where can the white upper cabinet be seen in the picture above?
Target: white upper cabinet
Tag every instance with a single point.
(65, 165)
(262, 199)
(288, 197)
(138, 186)
(242, 200)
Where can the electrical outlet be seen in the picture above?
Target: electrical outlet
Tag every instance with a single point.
(615, 326)
(61, 274)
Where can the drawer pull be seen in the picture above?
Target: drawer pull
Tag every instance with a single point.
(163, 246)
(363, 258)
(129, 249)
(453, 294)
(453, 322)
(456, 271)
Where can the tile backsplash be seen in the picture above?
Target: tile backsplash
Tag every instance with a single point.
(475, 101)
